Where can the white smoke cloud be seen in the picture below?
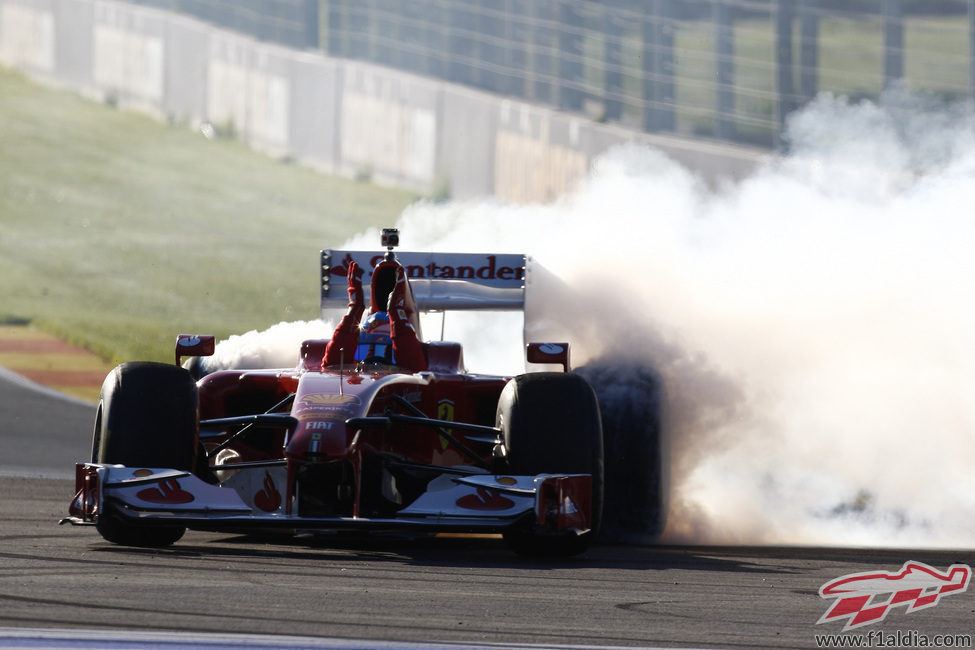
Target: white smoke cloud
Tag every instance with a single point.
(275, 347)
(813, 324)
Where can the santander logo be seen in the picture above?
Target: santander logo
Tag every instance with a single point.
(485, 499)
(268, 498)
(492, 267)
(166, 491)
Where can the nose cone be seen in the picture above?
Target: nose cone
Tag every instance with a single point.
(323, 402)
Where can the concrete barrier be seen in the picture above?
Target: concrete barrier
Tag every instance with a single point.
(339, 116)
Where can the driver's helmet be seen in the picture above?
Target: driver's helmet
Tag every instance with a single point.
(375, 342)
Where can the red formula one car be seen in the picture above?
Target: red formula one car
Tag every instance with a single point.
(364, 446)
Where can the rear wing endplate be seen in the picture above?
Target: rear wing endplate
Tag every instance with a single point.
(440, 281)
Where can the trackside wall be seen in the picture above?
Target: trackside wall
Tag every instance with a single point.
(344, 117)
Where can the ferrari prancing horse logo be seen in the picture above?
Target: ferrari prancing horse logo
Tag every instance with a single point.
(445, 411)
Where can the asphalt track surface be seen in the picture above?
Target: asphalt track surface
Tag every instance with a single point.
(356, 593)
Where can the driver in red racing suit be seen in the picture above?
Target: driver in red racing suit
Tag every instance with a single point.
(386, 336)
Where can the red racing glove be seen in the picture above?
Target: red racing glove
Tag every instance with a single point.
(406, 345)
(357, 302)
(346, 336)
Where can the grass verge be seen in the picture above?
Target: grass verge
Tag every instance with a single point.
(118, 232)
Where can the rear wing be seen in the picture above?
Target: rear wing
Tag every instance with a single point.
(440, 281)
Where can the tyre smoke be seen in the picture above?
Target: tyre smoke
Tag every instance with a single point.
(812, 325)
(275, 347)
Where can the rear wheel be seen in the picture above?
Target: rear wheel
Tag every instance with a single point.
(631, 400)
(147, 416)
(551, 425)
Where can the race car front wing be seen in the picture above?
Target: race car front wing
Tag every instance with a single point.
(555, 504)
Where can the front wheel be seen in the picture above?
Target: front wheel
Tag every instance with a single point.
(551, 425)
(147, 416)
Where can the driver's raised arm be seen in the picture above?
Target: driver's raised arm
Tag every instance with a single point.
(406, 345)
(341, 348)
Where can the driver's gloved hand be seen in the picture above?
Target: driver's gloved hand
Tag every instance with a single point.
(397, 303)
(357, 302)
(406, 343)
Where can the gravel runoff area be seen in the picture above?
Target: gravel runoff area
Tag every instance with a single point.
(45, 360)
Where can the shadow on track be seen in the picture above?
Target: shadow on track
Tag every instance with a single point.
(451, 552)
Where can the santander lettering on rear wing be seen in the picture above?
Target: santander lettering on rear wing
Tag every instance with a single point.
(440, 281)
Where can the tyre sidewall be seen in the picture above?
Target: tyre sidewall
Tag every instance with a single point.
(551, 425)
(147, 417)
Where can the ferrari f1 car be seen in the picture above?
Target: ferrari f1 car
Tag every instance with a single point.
(365, 446)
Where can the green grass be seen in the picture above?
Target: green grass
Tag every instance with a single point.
(118, 232)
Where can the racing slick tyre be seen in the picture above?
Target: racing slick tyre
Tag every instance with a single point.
(551, 425)
(147, 416)
(631, 401)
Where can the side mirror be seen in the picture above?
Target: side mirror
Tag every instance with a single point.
(194, 345)
(551, 353)
(312, 351)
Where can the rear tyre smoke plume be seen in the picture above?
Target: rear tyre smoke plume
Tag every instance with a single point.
(800, 341)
